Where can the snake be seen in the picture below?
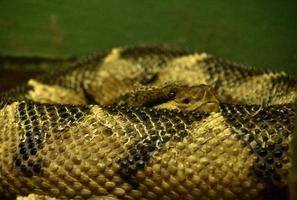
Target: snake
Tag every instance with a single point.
(148, 123)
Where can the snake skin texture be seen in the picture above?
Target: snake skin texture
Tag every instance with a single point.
(65, 135)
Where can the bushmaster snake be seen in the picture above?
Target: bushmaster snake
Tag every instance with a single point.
(148, 123)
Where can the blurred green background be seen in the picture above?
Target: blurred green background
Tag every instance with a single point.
(39, 35)
(259, 33)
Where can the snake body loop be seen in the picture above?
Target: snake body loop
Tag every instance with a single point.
(149, 123)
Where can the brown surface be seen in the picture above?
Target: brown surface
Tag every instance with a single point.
(11, 78)
(17, 70)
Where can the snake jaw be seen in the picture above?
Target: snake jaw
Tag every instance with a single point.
(208, 107)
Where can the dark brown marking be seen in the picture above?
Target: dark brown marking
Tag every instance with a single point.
(38, 129)
(245, 121)
(164, 126)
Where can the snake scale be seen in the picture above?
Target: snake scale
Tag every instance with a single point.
(148, 123)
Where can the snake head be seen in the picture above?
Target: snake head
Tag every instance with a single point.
(199, 97)
(173, 96)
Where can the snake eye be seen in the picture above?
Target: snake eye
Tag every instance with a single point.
(186, 101)
(172, 94)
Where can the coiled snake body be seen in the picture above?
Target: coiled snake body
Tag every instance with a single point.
(148, 123)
